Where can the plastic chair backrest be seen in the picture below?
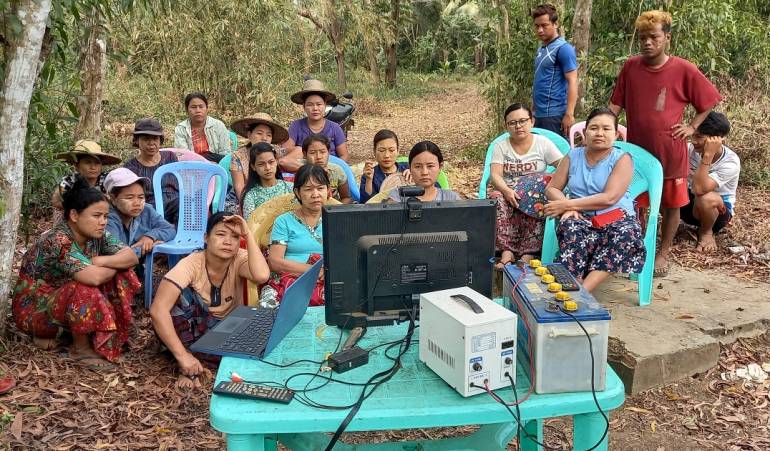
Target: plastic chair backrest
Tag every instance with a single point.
(186, 155)
(442, 180)
(194, 188)
(578, 129)
(233, 141)
(352, 184)
(648, 177)
(225, 164)
(558, 140)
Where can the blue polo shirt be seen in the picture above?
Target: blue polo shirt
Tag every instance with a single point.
(549, 91)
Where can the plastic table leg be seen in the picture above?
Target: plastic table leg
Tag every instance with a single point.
(251, 442)
(587, 429)
(534, 429)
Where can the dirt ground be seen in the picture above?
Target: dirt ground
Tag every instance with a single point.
(58, 405)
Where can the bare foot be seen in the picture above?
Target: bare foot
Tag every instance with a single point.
(706, 243)
(90, 359)
(186, 383)
(526, 258)
(506, 258)
(661, 266)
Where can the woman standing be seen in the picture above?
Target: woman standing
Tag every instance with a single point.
(260, 128)
(597, 233)
(517, 162)
(77, 278)
(313, 97)
(148, 136)
(200, 133)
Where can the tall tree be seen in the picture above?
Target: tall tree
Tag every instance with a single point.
(390, 50)
(22, 52)
(581, 39)
(329, 22)
(93, 64)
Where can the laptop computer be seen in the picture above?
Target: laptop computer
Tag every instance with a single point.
(251, 332)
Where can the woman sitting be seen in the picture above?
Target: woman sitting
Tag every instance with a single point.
(385, 154)
(315, 149)
(296, 241)
(203, 288)
(520, 162)
(314, 97)
(597, 233)
(425, 161)
(260, 128)
(200, 133)
(264, 180)
(133, 222)
(89, 160)
(148, 136)
(76, 278)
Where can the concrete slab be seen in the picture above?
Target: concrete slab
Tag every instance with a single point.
(678, 335)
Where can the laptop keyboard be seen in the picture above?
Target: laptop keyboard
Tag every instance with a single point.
(252, 337)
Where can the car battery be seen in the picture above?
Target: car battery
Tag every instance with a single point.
(560, 348)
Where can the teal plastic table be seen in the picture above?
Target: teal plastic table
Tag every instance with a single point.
(414, 398)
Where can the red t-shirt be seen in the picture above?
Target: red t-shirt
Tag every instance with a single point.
(655, 99)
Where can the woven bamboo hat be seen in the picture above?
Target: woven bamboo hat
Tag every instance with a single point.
(312, 86)
(86, 147)
(246, 125)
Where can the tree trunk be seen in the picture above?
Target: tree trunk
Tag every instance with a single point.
(390, 49)
(93, 63)
(20, 75)
(371, 50)
(504, 36)
(581, 39)
(335, 33)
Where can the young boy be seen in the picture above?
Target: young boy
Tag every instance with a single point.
(654, 89)
(315, 149)
(131, 220)
(555, 89)
(713, 180)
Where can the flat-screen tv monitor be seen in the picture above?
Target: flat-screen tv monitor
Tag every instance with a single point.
(378, 258)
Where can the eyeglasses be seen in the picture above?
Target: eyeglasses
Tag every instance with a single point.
(519, 123)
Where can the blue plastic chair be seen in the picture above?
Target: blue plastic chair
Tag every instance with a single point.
(648, 177)
(558, 140)
(193, 178)
(233, 141)
(352, 184)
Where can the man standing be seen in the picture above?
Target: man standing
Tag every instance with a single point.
(654, 89)
(555, 90)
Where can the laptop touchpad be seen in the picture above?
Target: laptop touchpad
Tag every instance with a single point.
(229, 325)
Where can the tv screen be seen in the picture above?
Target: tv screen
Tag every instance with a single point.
(379, 258)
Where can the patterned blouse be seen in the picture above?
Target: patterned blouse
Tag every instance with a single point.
(56, 256)
(258, 195)
(68, 181)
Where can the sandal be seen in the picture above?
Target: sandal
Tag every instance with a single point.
(101, 366)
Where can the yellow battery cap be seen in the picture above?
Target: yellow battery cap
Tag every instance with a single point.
(570, 306)
(547, 278)
(541, 270)
(554, 287)
(535, 263)
(562, 296)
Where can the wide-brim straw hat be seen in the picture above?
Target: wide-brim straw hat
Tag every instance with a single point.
(243, 126)
(312, 86)
(261, 220)
(90, 148)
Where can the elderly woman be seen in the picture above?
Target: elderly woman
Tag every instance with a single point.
(200, 133)
(518, 162)
(425, 161)
(148, 136)
(259, 128)
(203, 288)
(297, 238)
(77, 278)
(597, 233)
(313, 97)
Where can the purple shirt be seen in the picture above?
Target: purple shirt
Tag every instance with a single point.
(299, 130)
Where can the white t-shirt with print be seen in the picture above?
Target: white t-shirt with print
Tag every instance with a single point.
(725, 171)
(542, 153)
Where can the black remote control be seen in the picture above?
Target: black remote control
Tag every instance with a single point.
(564, 277)
(253, 391)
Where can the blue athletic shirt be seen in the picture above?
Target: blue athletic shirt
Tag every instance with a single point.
(549, 91)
